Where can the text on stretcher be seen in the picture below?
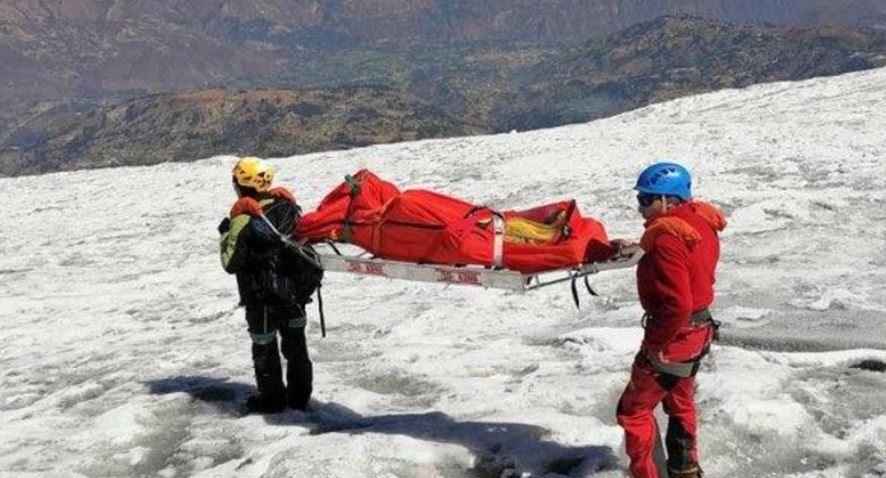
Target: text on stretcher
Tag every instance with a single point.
(366, 268)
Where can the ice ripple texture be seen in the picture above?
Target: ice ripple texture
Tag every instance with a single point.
(123, 353)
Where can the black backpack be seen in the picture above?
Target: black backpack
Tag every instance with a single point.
(292, 276)
(306, 277)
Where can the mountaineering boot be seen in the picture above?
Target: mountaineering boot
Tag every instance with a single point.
(299, 370)
(299, 378)
(271, 394)
(688, 473)
(264, 404)
(682, 457)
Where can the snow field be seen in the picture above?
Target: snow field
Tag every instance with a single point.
(123, 354)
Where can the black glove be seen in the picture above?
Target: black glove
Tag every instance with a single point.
(224, 226)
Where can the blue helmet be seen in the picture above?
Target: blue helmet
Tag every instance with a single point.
(666, 179)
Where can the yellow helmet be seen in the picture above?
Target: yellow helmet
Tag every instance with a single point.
(255, 173)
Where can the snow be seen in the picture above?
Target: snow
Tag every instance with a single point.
(123, 353)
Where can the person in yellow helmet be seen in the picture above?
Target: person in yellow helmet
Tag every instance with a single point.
(274, 285)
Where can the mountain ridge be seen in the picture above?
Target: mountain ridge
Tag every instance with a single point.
(675, 56)
(415, 93)
(189, 126)
(93, 48)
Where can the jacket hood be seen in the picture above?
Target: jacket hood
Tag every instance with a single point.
(674, 224)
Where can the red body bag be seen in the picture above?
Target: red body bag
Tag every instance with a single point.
(426, 227)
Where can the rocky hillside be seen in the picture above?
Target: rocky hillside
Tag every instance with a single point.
(95, 48)
(677, 56)
(189, 126)
(365, 96)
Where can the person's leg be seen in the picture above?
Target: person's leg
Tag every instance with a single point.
(299, 370)
(636, 415)
(266, 361)
(681, 436)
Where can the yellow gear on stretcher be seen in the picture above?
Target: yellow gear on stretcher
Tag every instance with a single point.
(522, 230)
(519, 230)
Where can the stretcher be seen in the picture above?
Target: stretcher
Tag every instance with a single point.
(426, 236)
(333, 260)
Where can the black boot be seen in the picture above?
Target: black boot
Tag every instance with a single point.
(679, 444)
(264, 404)
(689, 473)
(299, 378)
(271, 394)
(299, 370)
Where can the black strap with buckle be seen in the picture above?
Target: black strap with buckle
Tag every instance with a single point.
(690, 367)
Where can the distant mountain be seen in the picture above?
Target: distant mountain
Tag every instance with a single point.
(95, 48)
(353, 97)
(190, 126)
(672, 57)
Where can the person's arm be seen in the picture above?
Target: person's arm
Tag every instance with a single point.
(671, 262)
(246, 236)
(233, 244)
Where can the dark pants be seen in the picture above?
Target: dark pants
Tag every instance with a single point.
(265, 323)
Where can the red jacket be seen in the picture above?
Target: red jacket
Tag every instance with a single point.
(675, 278)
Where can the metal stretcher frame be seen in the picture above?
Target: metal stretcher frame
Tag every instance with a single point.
(467, 275)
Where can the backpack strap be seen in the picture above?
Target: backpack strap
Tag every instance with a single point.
(282, 193)
(320, 307)
(246, 205)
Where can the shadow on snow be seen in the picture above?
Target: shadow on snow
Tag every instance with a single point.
(498, 446)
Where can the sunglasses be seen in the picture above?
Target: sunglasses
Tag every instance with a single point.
(646, 200)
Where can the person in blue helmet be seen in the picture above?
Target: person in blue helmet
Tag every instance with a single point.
(675, 280)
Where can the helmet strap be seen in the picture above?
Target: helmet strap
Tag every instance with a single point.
(244, 191)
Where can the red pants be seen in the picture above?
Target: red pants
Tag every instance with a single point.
(645, 391)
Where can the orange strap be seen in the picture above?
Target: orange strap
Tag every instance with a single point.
(282, 193)
(246, 205)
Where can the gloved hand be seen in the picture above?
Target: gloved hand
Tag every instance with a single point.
(624, 247)
(224, 226)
